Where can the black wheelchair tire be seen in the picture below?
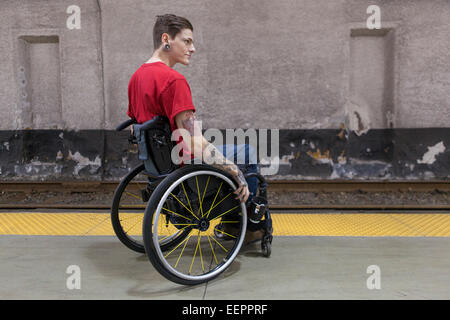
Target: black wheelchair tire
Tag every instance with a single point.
(152, 205)
(115, 221)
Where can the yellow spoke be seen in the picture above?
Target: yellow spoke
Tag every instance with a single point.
(176, 213)
(225, 233)
(184, 205)
(132, 206)
(133, 195)
(201, 257)
(204, 191)
(132, 227)
(193, 258)
(182, 250)
(225, 213)
(212, 250)
(172, 234)
(221, 200)
(219, 244)
(214, 200)
(198, 193)
(139, 186)
(187, 198)
(177, 246)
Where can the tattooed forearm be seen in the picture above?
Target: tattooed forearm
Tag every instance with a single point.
(241, 178)
(189, 123)
(210, 154)
(215, 158)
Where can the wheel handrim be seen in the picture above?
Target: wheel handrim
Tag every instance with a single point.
(131, 212)
(131, 209)
(202, 225)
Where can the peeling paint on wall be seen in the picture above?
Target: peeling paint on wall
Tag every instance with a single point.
(321, 158)
(379, 154)
(285, 159)
(342, 159)
(430, 156)
(357, 116)
(59, 156)
(83, 162)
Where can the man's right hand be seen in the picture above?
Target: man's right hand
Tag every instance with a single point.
(242, 191)
(188, 121)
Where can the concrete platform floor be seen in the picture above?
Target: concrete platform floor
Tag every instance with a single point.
(300, 267)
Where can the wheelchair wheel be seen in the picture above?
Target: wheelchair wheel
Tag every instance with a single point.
(205, 199)
(127, 212)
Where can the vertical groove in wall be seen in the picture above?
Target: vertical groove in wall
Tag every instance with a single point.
(40, 81)
(100, 38)
(372, 77)
(100, 32)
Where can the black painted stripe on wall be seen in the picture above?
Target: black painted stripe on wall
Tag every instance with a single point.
(328, 154)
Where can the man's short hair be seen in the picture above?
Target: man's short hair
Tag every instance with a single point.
(170, 24)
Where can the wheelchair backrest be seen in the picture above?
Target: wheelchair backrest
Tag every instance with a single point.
(155, 145)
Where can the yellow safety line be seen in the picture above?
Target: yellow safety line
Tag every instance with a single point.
(354, 224)
(136, 215)
(129, 229)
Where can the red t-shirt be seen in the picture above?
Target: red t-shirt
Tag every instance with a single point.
(156, 89)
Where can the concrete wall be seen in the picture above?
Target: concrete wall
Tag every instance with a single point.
(311, 68)
(259, 63)
(289, 64)
(27, 30)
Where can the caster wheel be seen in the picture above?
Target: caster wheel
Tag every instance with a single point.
(266, 248)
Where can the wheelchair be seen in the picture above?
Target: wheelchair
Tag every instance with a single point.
(178, 214)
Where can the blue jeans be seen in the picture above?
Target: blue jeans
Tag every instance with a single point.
(245, 157)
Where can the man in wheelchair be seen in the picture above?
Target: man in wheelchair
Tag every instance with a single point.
(157, 89)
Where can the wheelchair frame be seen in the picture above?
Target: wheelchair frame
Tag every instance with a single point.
(154, 144)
